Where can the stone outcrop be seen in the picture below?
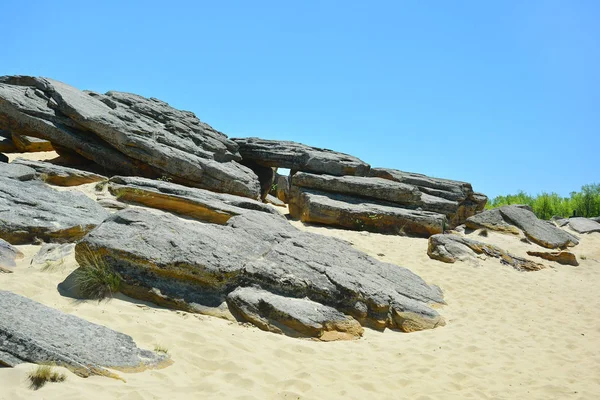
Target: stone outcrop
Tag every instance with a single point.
(362, 214)
(30, 144)
(292, 317)
(192, 202)
(300, 157)
(583, 225)
(32, 211)
(8, 255)
(125, 133)
(16, 171)
(195, 265)
(561, 257)
(32, 332)
(282, 190)
(59, 175)
(516, 219)
(452, 248)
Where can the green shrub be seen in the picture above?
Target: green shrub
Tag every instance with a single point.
(95, 277)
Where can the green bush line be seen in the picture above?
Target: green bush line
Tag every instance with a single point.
(585, 203)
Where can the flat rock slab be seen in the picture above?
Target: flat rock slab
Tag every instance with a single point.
(33, 210)
(584, 225)
(32, 332)
(192, 202)
(59, 175)
(16, 171)
(360, 214)
(126, 133)
(517, 218)
(293, 317)
(452, 248)
(561, 257)
(30, 144)
(300, 157)
(275, 201)
(193, 266)
(8, 255)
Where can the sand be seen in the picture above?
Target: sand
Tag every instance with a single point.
(509, 335)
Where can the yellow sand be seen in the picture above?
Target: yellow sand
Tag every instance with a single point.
(509, 335)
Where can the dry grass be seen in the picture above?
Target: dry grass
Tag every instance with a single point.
(96, 278)
(43, 374)
(161, 349)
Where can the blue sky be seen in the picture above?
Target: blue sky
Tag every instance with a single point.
(502, 94)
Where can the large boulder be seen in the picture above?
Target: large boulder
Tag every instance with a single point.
(32, 332)
(192, 202)
(293, 317)
(32, 210)
(8, 255)
(126, 133)
(452, 248)
(59, 175)
(300, 157)
(356, 213)
(467, 201)
(195, 265)
(584, 225)
(516, 218)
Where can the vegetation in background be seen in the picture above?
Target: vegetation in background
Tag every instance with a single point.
(585, 203)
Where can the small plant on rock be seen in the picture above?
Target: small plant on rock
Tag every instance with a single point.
(95, 277)
(43, 374)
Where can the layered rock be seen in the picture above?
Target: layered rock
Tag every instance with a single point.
(561, 257)
(292, 317)
(192, 202)
(126, 133)
(583, 225)
(8, 255)
(59, 175)
(32, 332)
(452, 248)
(195, 266)
(517, 218)
(32, 211)
(300, 157)
(30, 144)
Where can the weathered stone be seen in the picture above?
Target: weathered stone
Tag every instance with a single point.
(30, 144)
(300, 157)
(16, 171)
(561, 257)
(193, 266)
(584, 225)
(6, 143)
(452, 248)
(58, 174)
(517, 218)
(292, 317)
(275, 201)
(468, 203)
(192, 202)
(597, 219)
(8, 255)
(145, 136)
(52, 254)
(33, 210)
(283, 188)
(32, 332)
(360, 214)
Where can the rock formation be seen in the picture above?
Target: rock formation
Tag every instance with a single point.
(516, 219)
(32, 332)
(8, 255)
(583, 225)
(59, 175)
(561, 257)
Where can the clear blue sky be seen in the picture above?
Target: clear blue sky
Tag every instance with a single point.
(502, 94)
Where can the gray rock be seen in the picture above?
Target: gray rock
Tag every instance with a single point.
(361, 214)
(30, 144)
(32, 332)
(33, 210)
(60, 175)
(193, 266)
(597, 219)
(493, 220)
(275, 201)
(16, 171)
(584, 225)
(300, 157)
(149, 136)
(560, 222)
(52, 254)
(192, 202)
(452, 248)
(292, 317)
(8, 255)
(283, 188)
(468, 203)
(266, 177)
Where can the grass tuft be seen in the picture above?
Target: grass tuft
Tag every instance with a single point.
(161, 349)
(96, 278)
(43, 374)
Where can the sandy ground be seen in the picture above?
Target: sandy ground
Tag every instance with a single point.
(509, 335)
